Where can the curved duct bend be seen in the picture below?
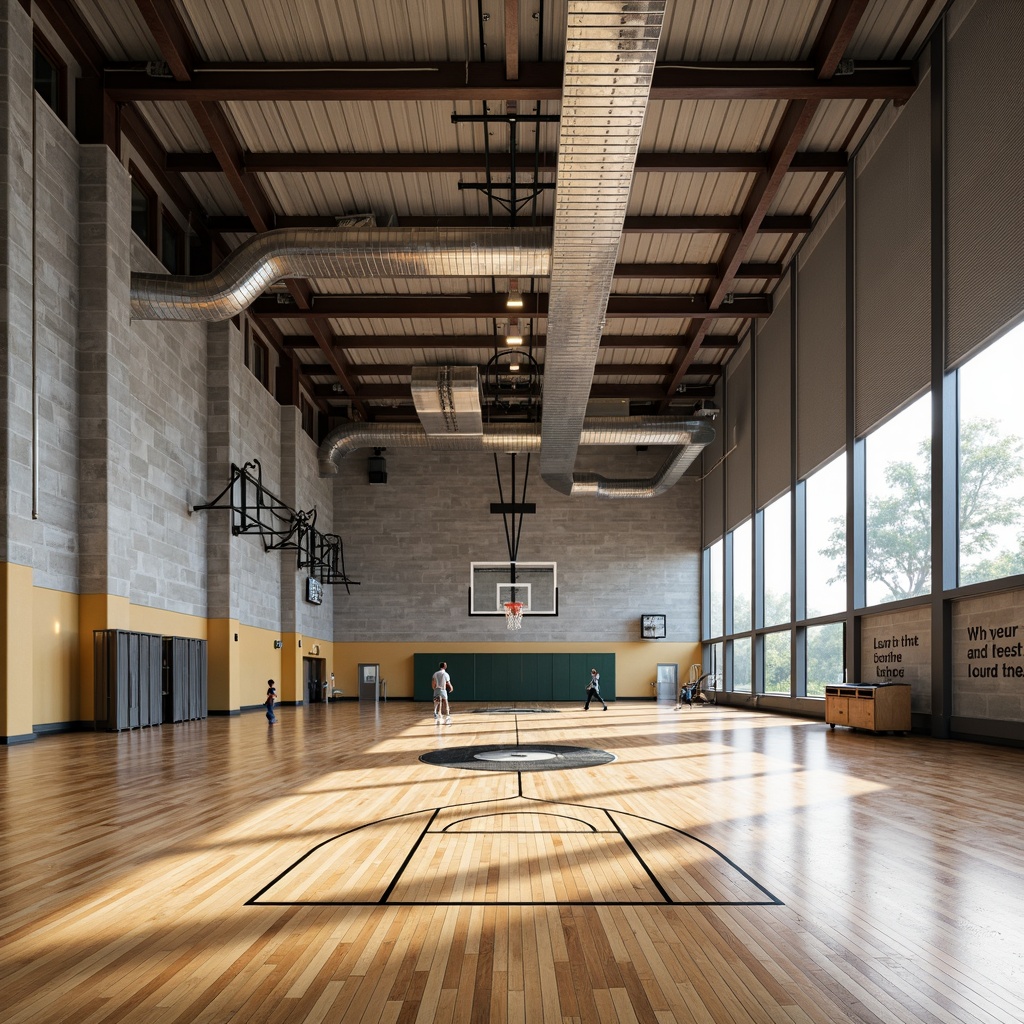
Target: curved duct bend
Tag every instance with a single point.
(265, 259)
(689, 437)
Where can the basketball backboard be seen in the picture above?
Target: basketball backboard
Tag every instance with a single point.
(491, 586)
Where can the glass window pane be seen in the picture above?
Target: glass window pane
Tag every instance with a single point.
(825, 494)
(46, 78)
(742, 563)
(898, 485)
(825, 657)
(741, 674)
(991, 474)
(141, 213)
(776, 663)
(717, 577)
(776, 562)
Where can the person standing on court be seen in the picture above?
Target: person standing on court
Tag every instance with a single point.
(594, 690)
(442, 686)
(269, 702)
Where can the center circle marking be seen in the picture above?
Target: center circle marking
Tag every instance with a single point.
(515, 755)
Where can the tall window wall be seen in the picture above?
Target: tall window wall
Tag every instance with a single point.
(898, 492)
(825, 546)
(742, 578)
(855, 379)
(990, 505)
(777, 559)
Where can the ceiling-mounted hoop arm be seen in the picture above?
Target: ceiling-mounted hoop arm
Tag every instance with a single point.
(512, 512)
(281, 528)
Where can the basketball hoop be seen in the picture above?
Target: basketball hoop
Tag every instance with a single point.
(514, 614)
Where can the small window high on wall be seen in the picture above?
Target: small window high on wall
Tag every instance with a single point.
(144, 214)
(991, 462)
(898, 528)
(50, 77)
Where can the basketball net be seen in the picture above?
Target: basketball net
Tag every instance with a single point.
(514, 614)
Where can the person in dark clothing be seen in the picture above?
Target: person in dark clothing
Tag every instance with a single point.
(270, 701)
(594, 690)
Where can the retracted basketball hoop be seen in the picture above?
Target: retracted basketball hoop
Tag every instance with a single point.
(514, 614)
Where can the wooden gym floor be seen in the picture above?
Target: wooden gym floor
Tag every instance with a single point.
(728, 866)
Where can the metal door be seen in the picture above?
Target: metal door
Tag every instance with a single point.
(369, 679)
(668, 683)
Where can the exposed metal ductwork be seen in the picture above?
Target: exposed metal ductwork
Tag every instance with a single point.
(265, 259)
(610, 51)
(689, 437)
(447, 400)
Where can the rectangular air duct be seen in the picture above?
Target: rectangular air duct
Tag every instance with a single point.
(447, 400)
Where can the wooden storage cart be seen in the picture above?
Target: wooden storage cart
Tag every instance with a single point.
(883, 707)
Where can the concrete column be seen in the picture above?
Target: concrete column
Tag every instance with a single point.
(16, 340)
(292, 680)
(224, 360)
(105, 422)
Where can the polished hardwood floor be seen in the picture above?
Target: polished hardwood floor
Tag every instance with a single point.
(727, 866)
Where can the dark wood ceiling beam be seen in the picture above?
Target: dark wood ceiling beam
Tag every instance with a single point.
(695, 271)
(487, 81)
(472, 163)
(628, 392)
(176, 47)
(683, 307)
(432, 341)
(785, 224)
(171, 37)
(834, 37)
(840, 23)
(511, 39)
(362, 370)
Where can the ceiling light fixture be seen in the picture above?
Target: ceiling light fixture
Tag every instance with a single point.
(514, 300)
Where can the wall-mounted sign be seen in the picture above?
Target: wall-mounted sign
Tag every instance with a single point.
(314, 590)
(652, 627)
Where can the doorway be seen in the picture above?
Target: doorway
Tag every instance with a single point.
(314, 675)
(668, 683)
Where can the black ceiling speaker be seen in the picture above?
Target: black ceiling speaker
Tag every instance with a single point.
(377, 467)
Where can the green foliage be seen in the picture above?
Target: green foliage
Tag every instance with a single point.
(825, 658)
(899, 521)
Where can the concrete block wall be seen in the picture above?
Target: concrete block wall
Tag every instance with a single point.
(988, 657)
(17, 533)
(410, 543)
(255, 434)
(105, 344)
(167, 380)
(896, 647)
(304, 490)
(56, 552)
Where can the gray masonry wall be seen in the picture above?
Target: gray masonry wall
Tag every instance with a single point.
(255, 434)
(410, 543)
(167, 380)
(896, 648)
(17, 533)
(304, 490)
(988, 666)
(55, 560)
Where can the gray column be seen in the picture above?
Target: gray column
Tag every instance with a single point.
(16, 98)
(105, 421)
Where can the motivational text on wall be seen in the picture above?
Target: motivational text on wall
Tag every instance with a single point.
(992, 652)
